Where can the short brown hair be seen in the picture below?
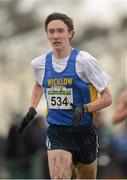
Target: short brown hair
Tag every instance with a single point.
(59, 16)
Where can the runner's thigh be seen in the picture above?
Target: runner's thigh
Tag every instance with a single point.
(86, 171)
(60, 164)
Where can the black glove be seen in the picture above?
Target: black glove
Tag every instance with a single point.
(27, 118)
(79, 112)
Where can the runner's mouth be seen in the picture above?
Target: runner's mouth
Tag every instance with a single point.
(56, 43)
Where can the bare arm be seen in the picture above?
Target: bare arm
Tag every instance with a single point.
(36, 95)
(121, 109)
(101, 102)
(35, 99)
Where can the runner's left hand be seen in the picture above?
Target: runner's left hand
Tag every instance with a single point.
(79, 113)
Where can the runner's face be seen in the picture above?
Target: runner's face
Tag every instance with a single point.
(58, 34)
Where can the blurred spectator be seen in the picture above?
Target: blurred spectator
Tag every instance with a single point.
(15, 143)
(35, 135)
(22, 149)
(3, 145)
(34, 141)
(4, 174)
(105, 141)
(120, 139)
(120, 150)
(120, 113)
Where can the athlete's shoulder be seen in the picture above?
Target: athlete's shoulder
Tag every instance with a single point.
(87, 58)
(39, 62)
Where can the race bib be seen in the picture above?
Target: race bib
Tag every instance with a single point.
(59, 97)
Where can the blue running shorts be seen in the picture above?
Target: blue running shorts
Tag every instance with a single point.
(81, 141)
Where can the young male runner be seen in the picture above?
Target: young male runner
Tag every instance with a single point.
(71, 80)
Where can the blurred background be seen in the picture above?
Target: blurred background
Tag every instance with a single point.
(101, 30)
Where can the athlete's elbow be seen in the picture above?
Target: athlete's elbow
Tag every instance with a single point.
(108, 101)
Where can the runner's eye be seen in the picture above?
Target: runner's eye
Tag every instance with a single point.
(51, 31)
(60, 30)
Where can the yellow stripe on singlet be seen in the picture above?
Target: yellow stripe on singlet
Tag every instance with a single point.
(93, 94)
